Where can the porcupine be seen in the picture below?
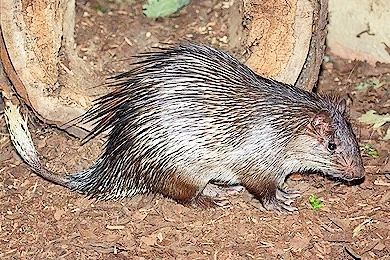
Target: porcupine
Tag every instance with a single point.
(188, 114)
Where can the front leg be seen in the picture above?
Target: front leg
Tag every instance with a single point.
(281, 201)
(271, 196)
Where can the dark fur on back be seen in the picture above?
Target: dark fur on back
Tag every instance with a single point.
(224, 78)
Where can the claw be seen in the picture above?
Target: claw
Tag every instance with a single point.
(289, 208)
(288, 194)
(217, 191)
(281, 202)
(217, 195)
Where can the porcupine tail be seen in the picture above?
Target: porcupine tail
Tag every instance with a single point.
(22, 141)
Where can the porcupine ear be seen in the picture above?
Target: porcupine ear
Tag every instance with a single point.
(342, 106)
(322, 124)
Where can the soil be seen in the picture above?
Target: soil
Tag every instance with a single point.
(40, 220)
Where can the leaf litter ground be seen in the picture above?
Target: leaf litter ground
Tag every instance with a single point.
(39, 220)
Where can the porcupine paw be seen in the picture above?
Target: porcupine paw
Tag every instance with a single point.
(216, 195)
(281, 202)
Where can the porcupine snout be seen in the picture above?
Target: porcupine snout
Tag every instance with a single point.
(353, 169)
(347, 154)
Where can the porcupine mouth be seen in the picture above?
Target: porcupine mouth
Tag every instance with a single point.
(340, 177)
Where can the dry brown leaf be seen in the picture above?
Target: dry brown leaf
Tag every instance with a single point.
(58, 214)
(299, 242)
(140, 215)
(149, 240)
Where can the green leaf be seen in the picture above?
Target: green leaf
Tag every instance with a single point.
(368, 149)
(362, 86)
(102, 9)
(316, 204)
(162, 8)
(371, 83)
(370, 117)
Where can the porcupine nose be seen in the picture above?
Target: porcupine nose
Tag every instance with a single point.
(355, 170)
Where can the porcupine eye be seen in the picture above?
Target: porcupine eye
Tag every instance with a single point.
(331, 146)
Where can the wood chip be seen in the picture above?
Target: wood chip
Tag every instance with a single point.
(352, 253)
(114, 227)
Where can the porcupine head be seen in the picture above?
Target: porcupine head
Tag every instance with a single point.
(317, 137)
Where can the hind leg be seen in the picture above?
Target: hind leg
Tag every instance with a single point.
(221, 193)
(199, 193)
(187, 192)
